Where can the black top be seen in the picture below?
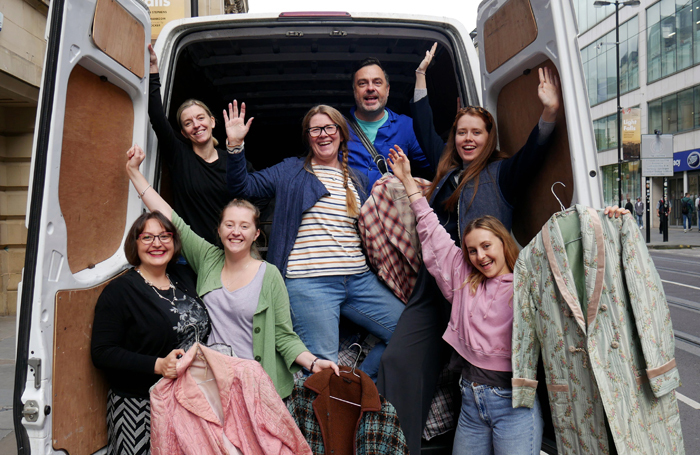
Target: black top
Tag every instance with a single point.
(135, 324)
(199, 188)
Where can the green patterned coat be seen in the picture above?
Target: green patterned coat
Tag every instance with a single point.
(611, 357)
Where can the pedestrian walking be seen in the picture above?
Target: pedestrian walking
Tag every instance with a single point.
(639, 212)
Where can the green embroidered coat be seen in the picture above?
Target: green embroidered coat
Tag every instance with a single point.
(587, 294)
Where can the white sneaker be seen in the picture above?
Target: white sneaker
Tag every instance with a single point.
(685, 230)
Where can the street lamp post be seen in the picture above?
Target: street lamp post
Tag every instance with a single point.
(617, 3)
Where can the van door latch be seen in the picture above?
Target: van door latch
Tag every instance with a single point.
(35, 364)
(31, 411)
(293, 34)
(339, 33)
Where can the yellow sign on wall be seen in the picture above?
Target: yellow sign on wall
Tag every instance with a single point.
(164, 11)
(631, 133)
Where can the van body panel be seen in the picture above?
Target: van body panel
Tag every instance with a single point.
(92, 108)
(509, 93)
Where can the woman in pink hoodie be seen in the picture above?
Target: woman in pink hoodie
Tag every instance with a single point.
(478, 281)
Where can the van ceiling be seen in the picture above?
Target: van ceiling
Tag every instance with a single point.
(283, 69)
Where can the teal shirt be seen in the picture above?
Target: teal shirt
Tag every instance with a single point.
(275, 344)
(371, 128)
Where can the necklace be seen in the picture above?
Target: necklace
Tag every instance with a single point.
(155, 288)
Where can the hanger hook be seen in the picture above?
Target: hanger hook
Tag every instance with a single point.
(557, 197)
(357, 359)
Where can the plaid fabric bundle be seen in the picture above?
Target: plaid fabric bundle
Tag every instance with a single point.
(444, 407)
(388, 231)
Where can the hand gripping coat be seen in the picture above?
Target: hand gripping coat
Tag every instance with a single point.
(593, 302)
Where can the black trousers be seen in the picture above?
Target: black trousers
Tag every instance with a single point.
(415, 356)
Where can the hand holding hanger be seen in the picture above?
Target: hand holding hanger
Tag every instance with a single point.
(167, 367)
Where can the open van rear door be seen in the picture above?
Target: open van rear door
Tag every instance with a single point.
(515, 38)
(92, 108)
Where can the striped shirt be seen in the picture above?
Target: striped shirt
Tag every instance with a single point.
(328, 242)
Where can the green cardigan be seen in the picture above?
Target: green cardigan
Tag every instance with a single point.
(275, 345)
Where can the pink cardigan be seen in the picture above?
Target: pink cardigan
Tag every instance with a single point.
(186, 417)
(481, 324)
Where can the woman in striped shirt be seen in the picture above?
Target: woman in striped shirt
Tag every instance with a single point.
(314, 239)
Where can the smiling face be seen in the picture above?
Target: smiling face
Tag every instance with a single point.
(197, 124)
(156, 254)
(470, 137)
(486, 253)
(237, 230)
(324, 147)
(371, 92)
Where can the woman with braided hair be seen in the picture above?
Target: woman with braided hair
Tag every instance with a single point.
(314, 240)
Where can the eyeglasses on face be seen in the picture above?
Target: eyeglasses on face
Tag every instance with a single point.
(328, 129)
(165, 237)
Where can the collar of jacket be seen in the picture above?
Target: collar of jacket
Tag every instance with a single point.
(188, 393)
(593, 256)
(367, 396)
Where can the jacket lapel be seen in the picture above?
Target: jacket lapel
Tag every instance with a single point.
(594, 259)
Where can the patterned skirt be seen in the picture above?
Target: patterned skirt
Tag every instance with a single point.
(128, 425)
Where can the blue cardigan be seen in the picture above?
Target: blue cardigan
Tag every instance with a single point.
(296, 190)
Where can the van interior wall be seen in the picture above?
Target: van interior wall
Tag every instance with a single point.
(281, 79)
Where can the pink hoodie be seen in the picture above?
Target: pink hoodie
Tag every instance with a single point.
(480, 325)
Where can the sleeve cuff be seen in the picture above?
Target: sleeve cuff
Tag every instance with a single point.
(419, 94)
(664, 378)
(524, 392)
(546, 129)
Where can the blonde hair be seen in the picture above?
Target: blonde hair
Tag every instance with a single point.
(510, 248)
(193, 102)
(351, 203)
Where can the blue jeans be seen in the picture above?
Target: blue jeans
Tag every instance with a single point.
(317, 304)
(488, 423)
(687, 221)
(640, 220)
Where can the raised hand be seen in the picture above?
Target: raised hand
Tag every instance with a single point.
(153, 60)
(399, 164)
(549, 93)
(423, 67)
(236, 126)
(134, 158)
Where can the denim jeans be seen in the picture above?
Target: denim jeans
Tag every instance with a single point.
(687, 221)
(488, 423)
(317, 304)
(640, 220)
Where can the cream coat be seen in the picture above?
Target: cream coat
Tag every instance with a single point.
(616, 359)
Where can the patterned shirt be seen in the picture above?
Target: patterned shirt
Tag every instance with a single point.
(328, 242)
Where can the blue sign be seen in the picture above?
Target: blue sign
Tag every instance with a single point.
(688, 160)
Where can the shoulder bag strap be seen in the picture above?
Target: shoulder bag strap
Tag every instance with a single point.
(378, 159)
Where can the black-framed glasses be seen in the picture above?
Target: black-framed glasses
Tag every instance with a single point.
(165, 237)
(328, 129)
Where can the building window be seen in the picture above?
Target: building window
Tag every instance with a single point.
(676, 112)
(588, 15)
(631, 182)
(606, 132)
(673, 28)
(599, 63)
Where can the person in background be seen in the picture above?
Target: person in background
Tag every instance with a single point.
(382, 126)
(144, 319)
(697, 207)
(629, 206)
(687, 212)
(314, 239)
(663, 210)
(245, 296)
(639, 212)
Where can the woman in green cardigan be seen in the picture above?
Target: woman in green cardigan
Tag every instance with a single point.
(246, 297)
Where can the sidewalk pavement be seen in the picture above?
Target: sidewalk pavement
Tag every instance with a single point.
(8, 445)
(676, 239)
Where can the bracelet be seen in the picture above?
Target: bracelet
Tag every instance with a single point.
(235, 149)
(313, 364)
(144, 192)
(420, 72)
(413, 194)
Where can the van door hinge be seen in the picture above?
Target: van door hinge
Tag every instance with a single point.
(293, 34)
(31, 411)
(35, 364)
(339, 33)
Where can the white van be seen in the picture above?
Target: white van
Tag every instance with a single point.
(93, 107)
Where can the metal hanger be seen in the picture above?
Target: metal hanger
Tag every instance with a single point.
(557, 197)
(352, 371)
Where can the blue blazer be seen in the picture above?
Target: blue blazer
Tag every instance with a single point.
(296, 190)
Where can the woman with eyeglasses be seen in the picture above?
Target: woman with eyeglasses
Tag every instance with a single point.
(144, 319)
(473, 179)
(245, 297)
(314, 239)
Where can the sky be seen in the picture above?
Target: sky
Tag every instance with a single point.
(462, 10)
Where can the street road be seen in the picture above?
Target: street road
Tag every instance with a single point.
(680, 273)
